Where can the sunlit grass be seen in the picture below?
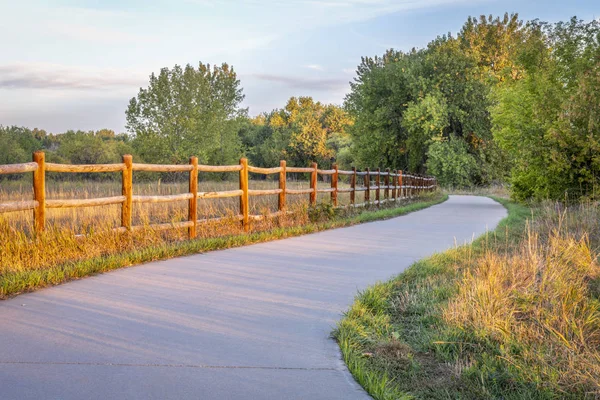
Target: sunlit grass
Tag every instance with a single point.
(516, 315)
(79, 242)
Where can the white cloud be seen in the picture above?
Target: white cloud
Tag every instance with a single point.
(315, 67)
(66, 77)
(298, 82)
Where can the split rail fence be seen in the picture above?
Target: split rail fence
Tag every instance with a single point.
(396, 185)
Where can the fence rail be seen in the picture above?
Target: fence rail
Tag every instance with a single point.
(396, 185)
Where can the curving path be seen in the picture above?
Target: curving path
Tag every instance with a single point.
(245, 323)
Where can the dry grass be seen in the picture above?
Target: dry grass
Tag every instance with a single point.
(539, 302)
(498, 190)
(85, 220)
(516, 315)
(76, 235)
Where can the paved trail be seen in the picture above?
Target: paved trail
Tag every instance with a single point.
(245, 323)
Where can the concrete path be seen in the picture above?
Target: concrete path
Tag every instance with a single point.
(245, 323)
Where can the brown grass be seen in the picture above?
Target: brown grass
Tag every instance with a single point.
(516, 315)
(74, 234)
(542, 299)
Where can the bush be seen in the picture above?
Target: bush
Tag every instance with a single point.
(451, 163)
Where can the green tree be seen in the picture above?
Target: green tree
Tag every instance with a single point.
(17, 144)
(451, 163)
(546, 121)
(188, 111)
(301, 132)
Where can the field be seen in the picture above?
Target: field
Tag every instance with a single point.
(516, 315)
(83, 220)
(75, 236)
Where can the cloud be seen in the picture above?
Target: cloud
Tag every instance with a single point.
(315, 67)
(320, 84)
(53, 76)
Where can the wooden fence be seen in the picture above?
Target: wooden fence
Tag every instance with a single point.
(396, 185)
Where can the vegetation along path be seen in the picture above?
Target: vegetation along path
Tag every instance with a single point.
(245, 323)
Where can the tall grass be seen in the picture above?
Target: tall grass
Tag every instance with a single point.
(79, 242)
(516, 315)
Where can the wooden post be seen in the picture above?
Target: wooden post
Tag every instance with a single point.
(313, 184)
(193, 204)
(394, 181)
(386, 182)
(378, 184)
(39, 191)
(400, 184)
(334, 186)
(127, 191)
(282, 185)
(368, 185)
(244, 198)
(353, 186)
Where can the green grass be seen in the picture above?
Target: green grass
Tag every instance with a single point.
(390, 337)
(514, 315)
(14, 283)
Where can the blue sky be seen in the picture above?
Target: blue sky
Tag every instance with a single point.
(68, 64)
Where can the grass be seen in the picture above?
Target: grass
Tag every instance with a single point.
(29, 262)
(515, 315)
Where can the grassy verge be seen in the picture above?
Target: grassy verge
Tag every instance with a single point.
(515, 315)
(19, 281)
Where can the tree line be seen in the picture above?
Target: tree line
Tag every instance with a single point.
(503, 100)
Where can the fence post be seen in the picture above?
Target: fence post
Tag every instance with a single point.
(39, 191)
(400, 184)
(334, 186)
(127, 191)
(386, 182)
(282, 184)
(353, 186)
(368, 185)
(193, 204)
(244, 198)
(394, 185)
(378, 184)
(313, 184)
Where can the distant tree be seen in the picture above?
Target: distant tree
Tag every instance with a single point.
(450, 162)
(302, 132)
(17, 144)
(188, 111)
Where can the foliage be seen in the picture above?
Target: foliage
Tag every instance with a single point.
(16, 145)
(188, 111)
(548, 121)
(302, 132)
(404, 102)
(450, 162)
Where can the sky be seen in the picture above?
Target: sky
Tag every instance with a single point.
(69, 64)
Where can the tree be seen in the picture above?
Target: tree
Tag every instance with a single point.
(17, 144)
(402, 102)
(302, 132)
(188, 111)
(450, 162)
(547, 121)
(495, 45)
